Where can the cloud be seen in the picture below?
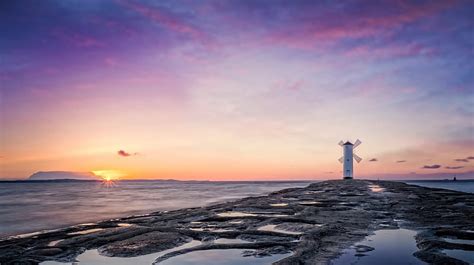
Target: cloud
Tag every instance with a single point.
(470, 157)
(431, 167)
(453, 167)
(373, 160)
(401, 161)
(125, 154)
(461, 160)
(169, 20)
(357, 25)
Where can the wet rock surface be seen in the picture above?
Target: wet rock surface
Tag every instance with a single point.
(314, 224)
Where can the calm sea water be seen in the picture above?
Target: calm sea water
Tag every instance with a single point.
(33, 206)
(460, 185)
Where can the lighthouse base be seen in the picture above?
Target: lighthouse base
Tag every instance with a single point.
(347, 178)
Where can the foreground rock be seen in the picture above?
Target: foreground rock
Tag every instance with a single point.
(314, 224)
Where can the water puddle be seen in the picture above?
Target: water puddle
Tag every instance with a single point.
(85, 232)
(230, 241)
(221, 257)
(388, 247)
(54, 243)
(309, 203)
(86, 224)
(279, 204)
(244, 214)
(211, 229)
(124, 225)
(235, 214)
(27, 235)
(33, 234)
(272, 228)
(376, 188)
(92, 257)
(465, 255)
(458, 241)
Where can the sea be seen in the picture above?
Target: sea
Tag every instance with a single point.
(42, 205)
(31, 206)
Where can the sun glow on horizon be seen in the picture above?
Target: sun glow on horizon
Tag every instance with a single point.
(109, 174)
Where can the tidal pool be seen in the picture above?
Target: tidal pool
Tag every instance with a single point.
(235, 214)
(272, 228)
(458, 241)
(222, 257)
(465, 255)
(376, 188)
(85, 232)
(279, 204)
(391, 247)
(230, 241)
(92, 257)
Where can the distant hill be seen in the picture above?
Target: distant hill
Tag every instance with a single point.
(53, 175)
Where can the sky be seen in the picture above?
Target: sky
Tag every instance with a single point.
(236, 90)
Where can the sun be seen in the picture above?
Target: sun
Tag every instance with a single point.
(109, 174)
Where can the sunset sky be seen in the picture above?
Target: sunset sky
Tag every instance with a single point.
(236, 90)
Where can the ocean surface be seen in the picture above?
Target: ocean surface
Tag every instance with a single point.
(33, 206)
(460, 185)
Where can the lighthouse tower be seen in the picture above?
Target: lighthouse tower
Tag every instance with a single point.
(346, 159)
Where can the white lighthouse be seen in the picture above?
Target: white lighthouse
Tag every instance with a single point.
(346, 159)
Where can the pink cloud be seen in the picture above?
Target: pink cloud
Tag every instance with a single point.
(167, 20)
(310, 32)
(386, 51)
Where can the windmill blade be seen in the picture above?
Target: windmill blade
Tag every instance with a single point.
(341, 143)
(357, 158)
(357, 143)
(341, 159)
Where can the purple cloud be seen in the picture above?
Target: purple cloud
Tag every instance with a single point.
(461, 160)
(431, 166)
(373, 160)
(470, 157)
(401, 161)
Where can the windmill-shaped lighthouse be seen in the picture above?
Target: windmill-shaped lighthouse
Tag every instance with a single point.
(346, 159)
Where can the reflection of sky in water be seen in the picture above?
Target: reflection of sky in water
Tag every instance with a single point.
(467, 256)
(92, 257)
(29, 207)
(230, 241)
(376, 188)
(458, 241)
(392, 247)
(221, 257)
(272, 228)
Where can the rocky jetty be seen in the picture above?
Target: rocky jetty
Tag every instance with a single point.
(312, 225)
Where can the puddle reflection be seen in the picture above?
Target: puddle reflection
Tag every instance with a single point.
(391, 247)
